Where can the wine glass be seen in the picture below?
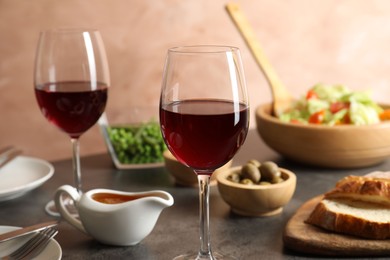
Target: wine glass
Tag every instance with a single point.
(71, 80)
(204, 117)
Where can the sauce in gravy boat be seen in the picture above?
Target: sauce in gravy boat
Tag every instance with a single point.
(114, 217)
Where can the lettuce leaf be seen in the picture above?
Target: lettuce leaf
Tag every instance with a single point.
(362, 109)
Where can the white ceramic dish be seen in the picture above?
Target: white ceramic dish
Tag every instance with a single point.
(52, 251)
(120, 165)
(103, 123)
(23, 174)
(114, 217)
(139, 166)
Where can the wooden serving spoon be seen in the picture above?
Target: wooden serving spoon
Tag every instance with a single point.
(282, 99)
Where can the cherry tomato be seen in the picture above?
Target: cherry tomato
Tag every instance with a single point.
(385, 115)
(311, 94)
(337, 106)
(346, 120)
(295, 121)
(317, 117)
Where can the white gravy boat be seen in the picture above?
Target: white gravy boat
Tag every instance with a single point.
(114, 217)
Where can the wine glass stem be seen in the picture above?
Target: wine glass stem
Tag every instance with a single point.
(76, 163)
(205, 247)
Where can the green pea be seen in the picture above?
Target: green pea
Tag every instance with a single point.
(137, 144)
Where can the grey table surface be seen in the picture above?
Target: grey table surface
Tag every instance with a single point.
(176, 231)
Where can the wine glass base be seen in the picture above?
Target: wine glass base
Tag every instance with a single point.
(196, 256)
(51, 208)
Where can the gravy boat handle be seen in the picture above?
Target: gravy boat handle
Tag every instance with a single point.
(75, 196)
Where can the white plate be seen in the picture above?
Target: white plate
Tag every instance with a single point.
(22, 175)
(52, 251)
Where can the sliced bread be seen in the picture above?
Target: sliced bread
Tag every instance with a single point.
(357, 218)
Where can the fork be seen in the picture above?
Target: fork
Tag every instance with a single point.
(33, 246)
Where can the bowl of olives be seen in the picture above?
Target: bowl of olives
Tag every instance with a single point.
(256, 189)
(185, 176)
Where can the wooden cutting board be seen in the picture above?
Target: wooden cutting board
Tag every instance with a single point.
(306, 238)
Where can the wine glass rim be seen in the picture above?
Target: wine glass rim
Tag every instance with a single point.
(69, 30)
(203, 49)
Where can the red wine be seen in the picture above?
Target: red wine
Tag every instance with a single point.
(71, 105)
(204, 134)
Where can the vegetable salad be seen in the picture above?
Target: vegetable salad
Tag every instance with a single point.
(335, 105)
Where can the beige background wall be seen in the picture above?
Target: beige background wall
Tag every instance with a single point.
(307, 41)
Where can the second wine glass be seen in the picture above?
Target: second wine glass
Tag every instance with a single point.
(71, 81)
(204, 117)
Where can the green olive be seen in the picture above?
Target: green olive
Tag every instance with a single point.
(246, 181)
(264, 183)
(269, 170)
(277, 180)
(250, 171)
(254, 162)
(234, 177)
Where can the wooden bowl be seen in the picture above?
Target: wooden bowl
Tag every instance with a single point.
(343, 146)
(185, 176)
(256, 200)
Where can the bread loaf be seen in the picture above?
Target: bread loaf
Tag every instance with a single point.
(369, 189)
(358, 206)
(357, 218)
